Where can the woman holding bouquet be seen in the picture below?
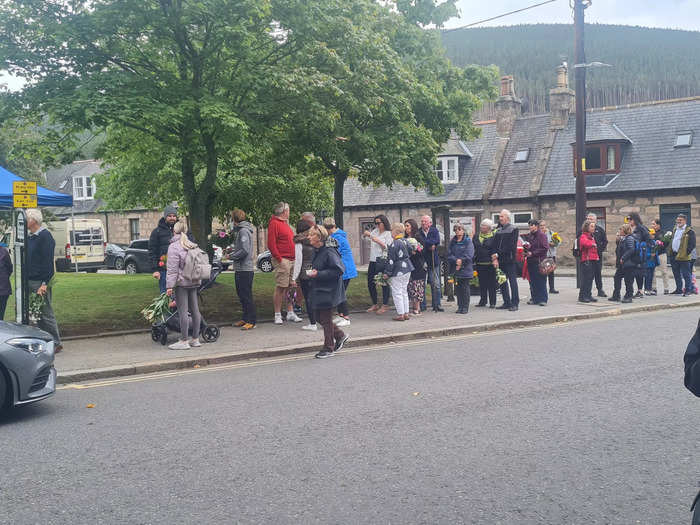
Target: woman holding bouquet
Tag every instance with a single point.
(460, 257)
(379, 241)
(416, 284)
(486, 264)
(398, 271)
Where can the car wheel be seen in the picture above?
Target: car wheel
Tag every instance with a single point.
(130, 268)
(4, 397)
(119, 263)
(266, 265)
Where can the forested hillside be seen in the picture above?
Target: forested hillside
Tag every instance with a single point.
(648, 64)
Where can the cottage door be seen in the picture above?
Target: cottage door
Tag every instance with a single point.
(366, 224)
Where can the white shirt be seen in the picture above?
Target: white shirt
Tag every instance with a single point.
(374, 249)
(676, 242)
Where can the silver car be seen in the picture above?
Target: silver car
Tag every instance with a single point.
(27, 373)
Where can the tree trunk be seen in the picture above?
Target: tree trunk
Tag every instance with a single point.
(339, 179)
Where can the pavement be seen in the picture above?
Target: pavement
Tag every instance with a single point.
(135, 353)
(581, 423)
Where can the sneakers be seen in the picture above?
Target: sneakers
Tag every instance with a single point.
(343, 322)
(601, 293)
(248, 326)
(341, 342)
(291, 316)
(195, 343)
(638, 295)
(337, 319)
(323, 354)
(310, 327)
(278, 319)
(180, 345)
(238, 324)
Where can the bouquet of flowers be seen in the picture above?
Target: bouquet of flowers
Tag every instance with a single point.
(36, 304)
(158, 309)
(500, 277)
(163, 262)
(556, 239)
(381, 280)
(413, 245)
(474, 281)
(222, 239)
(667, 238)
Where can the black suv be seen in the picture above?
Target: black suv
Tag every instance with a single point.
(136, 259)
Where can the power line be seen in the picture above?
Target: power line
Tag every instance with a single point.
(499, 16)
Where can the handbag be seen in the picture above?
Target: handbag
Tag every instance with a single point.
(547, 266)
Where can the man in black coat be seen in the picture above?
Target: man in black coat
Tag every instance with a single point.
(159, 242)
(5, 286)
(601, 241)
(692, 383)
(506, 246)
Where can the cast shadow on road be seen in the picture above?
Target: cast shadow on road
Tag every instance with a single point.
(25, 413)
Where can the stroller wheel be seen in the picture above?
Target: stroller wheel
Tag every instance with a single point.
(211, 333)
(155, 333)
(164, 336)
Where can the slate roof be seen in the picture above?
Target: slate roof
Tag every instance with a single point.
(471, 186)
(455, 147)
(603, 129)
(56, 176)
(650, 162)
(514, 178)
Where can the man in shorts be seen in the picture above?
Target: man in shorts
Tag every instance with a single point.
(280, 242)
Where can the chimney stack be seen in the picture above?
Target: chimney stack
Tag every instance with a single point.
(508, 107)
(562, 100)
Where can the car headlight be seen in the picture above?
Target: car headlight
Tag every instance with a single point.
(30, 344)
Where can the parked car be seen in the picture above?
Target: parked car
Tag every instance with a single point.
(114, 256)
(136, 258)
(264, 261)
(221, 258)
(27, 374)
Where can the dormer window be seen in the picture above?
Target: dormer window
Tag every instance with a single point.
(522, 155)
(684, 139)
(447, 170)
(63, 184)
(83, 188)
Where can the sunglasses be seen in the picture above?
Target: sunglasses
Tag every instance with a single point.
(377, 223)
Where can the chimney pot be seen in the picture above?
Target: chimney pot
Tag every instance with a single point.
(507, 87)
(562, 76)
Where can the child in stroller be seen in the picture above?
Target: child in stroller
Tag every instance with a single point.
(210, 332)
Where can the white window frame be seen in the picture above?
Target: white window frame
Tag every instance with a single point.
(80, 186)
(494, 218)
(443, 172)
(680, 134)
(524, 157)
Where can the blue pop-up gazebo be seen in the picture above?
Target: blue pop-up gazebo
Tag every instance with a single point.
(45, 197)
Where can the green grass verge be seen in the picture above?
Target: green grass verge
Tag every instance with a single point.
(93, 303)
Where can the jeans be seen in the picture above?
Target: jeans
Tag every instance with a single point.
(343, 308)
(399, 292)
(550, 278)
(487, 283)
(161, 281)
(682, 272)
(306, 291)
(639, 277)
(463, 293)
(48, 320)
(510, 297)
(598, 273)
(433, 279)
(331, 333)
(588, 274)
(628, 275)
(538, 281)
(187, 301)
(371, 272)
(244, 289)
(649, 278)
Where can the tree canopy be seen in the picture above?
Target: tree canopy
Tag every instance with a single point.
(243, 102)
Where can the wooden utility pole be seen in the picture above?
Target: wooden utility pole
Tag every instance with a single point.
(580, 155)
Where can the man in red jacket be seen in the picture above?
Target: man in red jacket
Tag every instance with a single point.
(280, 242)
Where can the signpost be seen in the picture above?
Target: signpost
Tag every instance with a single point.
(24, 195)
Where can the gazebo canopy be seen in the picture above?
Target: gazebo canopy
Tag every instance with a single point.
(45, 197)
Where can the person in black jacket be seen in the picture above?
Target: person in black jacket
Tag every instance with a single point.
(40, 270)
(641, 234)
(601, 241)
(506, 245)
(327, 290)
(159, 242)
(484, 250)
(625, 266)
(5, 272)
(691, 362)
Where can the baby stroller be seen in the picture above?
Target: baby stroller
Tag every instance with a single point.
(210, 332)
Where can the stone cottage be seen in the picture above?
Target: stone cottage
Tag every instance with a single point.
(639, 157)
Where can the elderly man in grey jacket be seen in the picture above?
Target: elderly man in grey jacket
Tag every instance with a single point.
(242, 257)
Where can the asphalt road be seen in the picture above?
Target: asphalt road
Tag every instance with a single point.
(581, 423)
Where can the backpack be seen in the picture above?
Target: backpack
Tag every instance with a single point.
(641, 251)
(197, 267)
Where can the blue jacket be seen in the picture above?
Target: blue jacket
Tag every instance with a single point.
(461, 250)
(432, 238)
(345, 254)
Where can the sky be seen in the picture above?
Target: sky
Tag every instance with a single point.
(673, 14)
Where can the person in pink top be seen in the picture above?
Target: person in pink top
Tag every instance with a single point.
(589, 259)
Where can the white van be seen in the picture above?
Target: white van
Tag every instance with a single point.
(84, 245)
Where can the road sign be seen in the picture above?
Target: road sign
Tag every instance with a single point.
(24, 187)
(24, 201)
